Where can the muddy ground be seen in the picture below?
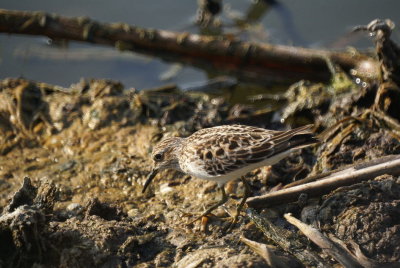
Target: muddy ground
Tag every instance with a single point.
(82, 156)
(73, 162)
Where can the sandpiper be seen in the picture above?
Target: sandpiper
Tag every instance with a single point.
(227, 152)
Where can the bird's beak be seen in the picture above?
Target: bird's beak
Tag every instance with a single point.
(150, 177)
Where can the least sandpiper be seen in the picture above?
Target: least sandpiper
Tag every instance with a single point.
(228, 152)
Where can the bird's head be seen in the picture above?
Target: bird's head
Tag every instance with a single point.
(164, 156)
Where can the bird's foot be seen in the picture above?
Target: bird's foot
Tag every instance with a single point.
(235, 218)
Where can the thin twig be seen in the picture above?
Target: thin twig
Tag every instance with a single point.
(331, 248)
(265, 252)
(287, 240)
(337, 249)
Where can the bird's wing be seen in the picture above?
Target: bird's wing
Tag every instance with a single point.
(236, 147)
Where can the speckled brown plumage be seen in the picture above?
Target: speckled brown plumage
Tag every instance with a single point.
(224, 153)
(225, 149)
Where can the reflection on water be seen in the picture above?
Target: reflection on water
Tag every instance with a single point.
(289, 22)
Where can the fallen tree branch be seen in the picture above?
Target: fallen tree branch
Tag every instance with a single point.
(358, 173)
(244, 59)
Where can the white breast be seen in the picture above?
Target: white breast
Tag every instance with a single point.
(194, 168)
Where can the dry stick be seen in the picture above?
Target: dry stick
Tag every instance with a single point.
(386, 165)
(244, 59)
(361, 258)
(265, 252)
(287, 240)
(341, 169)
(331, 248)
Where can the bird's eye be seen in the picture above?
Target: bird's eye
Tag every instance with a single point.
(158, 157)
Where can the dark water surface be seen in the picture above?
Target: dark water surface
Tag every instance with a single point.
(315, 24)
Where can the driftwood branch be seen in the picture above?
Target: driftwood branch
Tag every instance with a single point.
(244, 59)
(358, 173)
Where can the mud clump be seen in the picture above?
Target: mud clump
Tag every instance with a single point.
(368, 214)
(32, 233)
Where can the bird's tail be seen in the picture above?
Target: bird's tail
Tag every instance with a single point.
(295, 138)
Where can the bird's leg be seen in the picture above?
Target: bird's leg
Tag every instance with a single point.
(247, 193)
(220, 203)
